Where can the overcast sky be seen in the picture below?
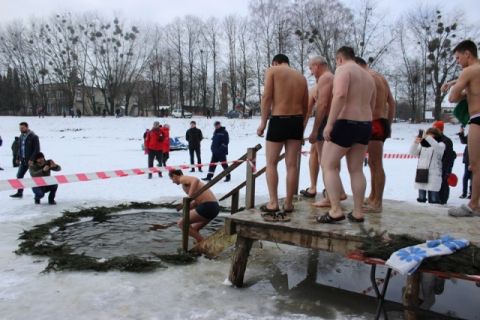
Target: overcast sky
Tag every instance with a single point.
(164, 11)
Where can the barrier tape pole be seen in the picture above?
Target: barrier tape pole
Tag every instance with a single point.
(26, 183)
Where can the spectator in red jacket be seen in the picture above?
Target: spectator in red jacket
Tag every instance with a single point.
(154, 146)
(165, 143)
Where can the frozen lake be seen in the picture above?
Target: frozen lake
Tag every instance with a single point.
(281, 282)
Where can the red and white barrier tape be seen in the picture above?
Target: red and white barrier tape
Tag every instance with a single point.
(84, 177)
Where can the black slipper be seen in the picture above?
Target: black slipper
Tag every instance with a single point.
(307, 194)
(351, 218)
(327, 218)
(288, 210)
(264, 208)
(275, 217)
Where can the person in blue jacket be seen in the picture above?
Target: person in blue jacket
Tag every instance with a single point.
(219, 149)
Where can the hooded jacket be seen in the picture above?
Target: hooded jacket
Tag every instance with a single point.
(220, 142)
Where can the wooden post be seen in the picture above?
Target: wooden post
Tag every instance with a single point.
(250, 181)
(239, 260)
(299, 162)
(410, 296)
(235, 201)
(186, 223)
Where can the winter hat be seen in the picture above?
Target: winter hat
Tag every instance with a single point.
(217, 123)
(439, 124)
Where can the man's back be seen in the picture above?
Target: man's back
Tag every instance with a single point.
(359, 87)
(289, 90)
(380, 110)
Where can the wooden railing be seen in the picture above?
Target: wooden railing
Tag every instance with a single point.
(249, 185)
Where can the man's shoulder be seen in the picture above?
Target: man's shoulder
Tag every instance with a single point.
(471, 71)
(326, 77)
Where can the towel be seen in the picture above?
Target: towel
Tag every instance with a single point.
(407, 260)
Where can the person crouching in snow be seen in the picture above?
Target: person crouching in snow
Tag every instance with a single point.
(430, 151)
(42, 168)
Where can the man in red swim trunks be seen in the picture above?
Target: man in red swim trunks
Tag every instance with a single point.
(382, 116)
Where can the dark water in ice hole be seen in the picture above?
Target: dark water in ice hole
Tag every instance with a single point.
(306, 282)
(125, 234)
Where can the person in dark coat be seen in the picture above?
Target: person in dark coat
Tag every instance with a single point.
(219, 149)
(467, 174)
(28, 147)
(15, 146)
(448, 159)
(194, 137)
(42, 168)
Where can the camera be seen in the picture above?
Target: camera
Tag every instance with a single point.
(420, 133)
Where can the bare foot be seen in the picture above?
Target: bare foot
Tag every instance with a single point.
(325, 203)
(372, 209)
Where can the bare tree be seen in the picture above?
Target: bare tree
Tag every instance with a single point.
(435, 37)
(174, 36)
(212, 40)
(331, 27)
(231, 28)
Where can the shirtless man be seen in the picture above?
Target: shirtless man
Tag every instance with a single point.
(204, 208)
(285, 98)
(347, 134)
(468, 86)
(319, 68)
(381, 128)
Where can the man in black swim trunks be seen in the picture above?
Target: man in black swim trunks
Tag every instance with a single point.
(467, 86)
(285, 99)
(203, 209)
(347, 133)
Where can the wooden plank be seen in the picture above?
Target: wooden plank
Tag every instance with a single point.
(250, 181)
(186, 223)
(244, 183)
(398, 217)
(410, 296)
(298, 238)
(222, 174)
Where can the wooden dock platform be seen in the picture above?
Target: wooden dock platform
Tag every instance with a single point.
(398, 217)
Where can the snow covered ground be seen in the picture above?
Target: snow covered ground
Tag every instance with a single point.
(195, 291)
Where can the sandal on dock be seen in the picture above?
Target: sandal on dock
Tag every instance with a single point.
(275, 217)
(327, 218)
(351, 218)
(264, 208)
(288, 210)
(307, 193)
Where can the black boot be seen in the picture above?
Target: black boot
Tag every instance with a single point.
(227, 178)
(17, 195)
(192, 170)
(149, 176)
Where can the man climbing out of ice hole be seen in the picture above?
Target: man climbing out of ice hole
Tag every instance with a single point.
(202, 210)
